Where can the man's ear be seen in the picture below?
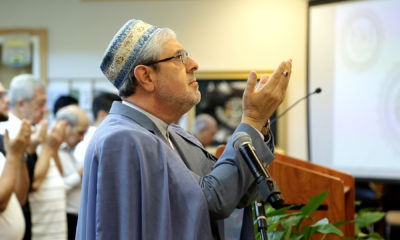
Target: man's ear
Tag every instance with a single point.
(145, 77)
(21, 103)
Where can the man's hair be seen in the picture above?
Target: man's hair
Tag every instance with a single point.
(69, 114)
(63, 101)
(103, 102)
(203, 121)
(151, 52)
(23, 87)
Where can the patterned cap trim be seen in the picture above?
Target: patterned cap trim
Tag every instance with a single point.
(124, 50)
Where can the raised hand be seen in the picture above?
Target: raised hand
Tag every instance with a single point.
(56, 135)
(38, 136)
(54, 138)
(261, 100)
(19, 144)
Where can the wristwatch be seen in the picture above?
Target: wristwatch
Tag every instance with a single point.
(266, 131)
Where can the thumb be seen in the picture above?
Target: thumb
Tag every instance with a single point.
(251, 82)
(6, 137)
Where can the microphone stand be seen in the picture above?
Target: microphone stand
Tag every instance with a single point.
(267, 186)
(317, 91)
(269, 192)
(261, 219)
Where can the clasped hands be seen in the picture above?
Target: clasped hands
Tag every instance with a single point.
(50, 139)
(17, 145)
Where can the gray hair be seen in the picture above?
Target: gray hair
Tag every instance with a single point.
(203, 121)
(151, 52)
(69, 114)
(23, 87)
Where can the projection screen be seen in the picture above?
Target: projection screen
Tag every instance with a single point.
(354, 56)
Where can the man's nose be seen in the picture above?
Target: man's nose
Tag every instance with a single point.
(191, 65)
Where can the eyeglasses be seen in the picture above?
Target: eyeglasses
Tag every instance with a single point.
(182, 55)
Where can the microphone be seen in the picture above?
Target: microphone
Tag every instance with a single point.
(267, 186)
(316, 91)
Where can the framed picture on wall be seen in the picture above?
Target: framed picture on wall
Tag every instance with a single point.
(23, 50)
(221, 97)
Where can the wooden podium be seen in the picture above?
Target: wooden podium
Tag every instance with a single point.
(299, 180)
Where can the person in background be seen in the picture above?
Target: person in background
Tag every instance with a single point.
(100, 108)
(204, 128)
(63, 101)
(78, 123)
(13, 176)
(28, 101)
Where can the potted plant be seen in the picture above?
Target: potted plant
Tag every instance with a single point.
(286, 223)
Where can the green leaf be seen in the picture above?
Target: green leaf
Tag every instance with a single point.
(307, 231)
(357, 203)
(273, 226)
(323, 221)
(276, 212)
(357, 230)
(313, 203)
(288, 223)
(374, 236)
(364, 219)
(329, 229)
(275, 220)
(361, 235)
(291, 221)
(340, 223)
(296, 236)
(288, 231)
(275, 235)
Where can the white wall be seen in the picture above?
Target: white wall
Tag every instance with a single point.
(220, 35)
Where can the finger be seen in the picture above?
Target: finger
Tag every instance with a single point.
(263, 81)
(25, 130)
(275, 78)
(63, 125)
(29, 129)
(288, 68)
(43, 127)
(21, 132)
(63, 128)
(60, 128)
(251, 83)
(27, 126)
(6, 137)
(54, 127)
(279, 80)
(285, 78)
(44, 122)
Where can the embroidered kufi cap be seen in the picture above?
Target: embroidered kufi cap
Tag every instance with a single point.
(124, 49)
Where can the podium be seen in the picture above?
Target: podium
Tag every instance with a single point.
(299, 180)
